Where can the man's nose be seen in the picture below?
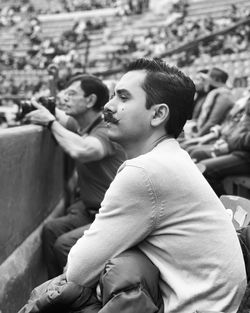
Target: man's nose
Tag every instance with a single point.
(109, 106)
(65, 98)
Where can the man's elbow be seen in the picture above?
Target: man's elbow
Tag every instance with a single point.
(81, 277)
(74, 154)
(73, 276)
(77, 154)
(86, 156)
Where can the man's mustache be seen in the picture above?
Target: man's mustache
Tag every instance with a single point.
(108, 117)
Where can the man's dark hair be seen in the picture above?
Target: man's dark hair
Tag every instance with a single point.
(167, 84)
(92, 85)
(218, 75)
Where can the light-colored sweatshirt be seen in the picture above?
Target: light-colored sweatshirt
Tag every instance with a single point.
(161, 202)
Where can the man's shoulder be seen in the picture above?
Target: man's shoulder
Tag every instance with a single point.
(145, 163)
(72, 125)
(224, 100)
(225, 94)
(100, 132)
(135, 167)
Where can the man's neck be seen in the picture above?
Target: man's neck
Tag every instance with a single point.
(135, 149)
(86, 119)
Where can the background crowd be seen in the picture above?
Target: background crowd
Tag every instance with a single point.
(67, 49)
(217, 105)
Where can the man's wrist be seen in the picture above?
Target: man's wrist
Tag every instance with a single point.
(50, 123)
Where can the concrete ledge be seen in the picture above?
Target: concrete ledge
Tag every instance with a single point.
(24, 269)
(31, 184)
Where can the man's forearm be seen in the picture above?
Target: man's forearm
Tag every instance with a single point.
(68, 140)
(86, 149)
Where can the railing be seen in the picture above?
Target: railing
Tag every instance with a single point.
(206, 38)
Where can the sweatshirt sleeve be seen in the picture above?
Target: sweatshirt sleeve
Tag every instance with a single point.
(128, 214)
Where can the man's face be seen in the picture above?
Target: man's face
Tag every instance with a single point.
(130, 120)
(207, 86)
(199, 82)
(74, 100)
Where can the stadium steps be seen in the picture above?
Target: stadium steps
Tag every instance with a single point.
(100, 52)
(213, 8)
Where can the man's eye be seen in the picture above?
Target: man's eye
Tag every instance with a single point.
(123, 97)
(111, 96)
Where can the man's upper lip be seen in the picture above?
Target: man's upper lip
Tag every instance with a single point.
(108, 117)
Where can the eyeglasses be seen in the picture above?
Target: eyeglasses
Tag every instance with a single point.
(73, 94)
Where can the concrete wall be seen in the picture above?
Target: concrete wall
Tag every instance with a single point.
(31, 187)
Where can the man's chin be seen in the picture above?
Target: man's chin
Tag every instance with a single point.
(67, 112)
(113, 135)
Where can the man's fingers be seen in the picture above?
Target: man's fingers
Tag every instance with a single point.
(36, 104)
(31, 115)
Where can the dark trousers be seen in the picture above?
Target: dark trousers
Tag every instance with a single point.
(129, 283)
(222, 166)
(201, 152)
(60, 234)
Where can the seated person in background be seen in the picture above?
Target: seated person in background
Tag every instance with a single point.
(201, 93)
(200, 97)
(230, 155)
(168, 211)
(201, 147)
(82, 134)
(217, 103)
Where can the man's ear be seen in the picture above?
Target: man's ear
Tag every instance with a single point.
(160, 114)
(92, 98)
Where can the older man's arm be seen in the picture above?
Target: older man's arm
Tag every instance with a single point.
(83, 149)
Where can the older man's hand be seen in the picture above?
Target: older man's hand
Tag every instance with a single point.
(41, 116)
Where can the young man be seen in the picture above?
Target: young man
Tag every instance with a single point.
(160, 201)
(82, 134)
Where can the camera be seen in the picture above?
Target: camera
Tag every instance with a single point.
(25, 106)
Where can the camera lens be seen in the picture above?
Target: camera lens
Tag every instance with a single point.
(49, 103)
(25, 107)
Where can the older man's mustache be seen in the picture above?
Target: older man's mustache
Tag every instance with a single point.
(108, 117)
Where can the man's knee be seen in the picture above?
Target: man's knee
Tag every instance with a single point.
(49, 229)
(55, 227)
(199, 154)
(62, 247)
(132, 275)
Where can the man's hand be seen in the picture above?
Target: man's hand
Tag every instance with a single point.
(220, 147)
(53, 70)
(41, 116)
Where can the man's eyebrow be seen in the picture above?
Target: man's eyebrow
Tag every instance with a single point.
(123, 91)
(71, 90)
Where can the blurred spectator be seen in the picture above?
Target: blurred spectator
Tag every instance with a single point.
(217, 103)
(200, 97)
(231, 154)
(203, 147)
